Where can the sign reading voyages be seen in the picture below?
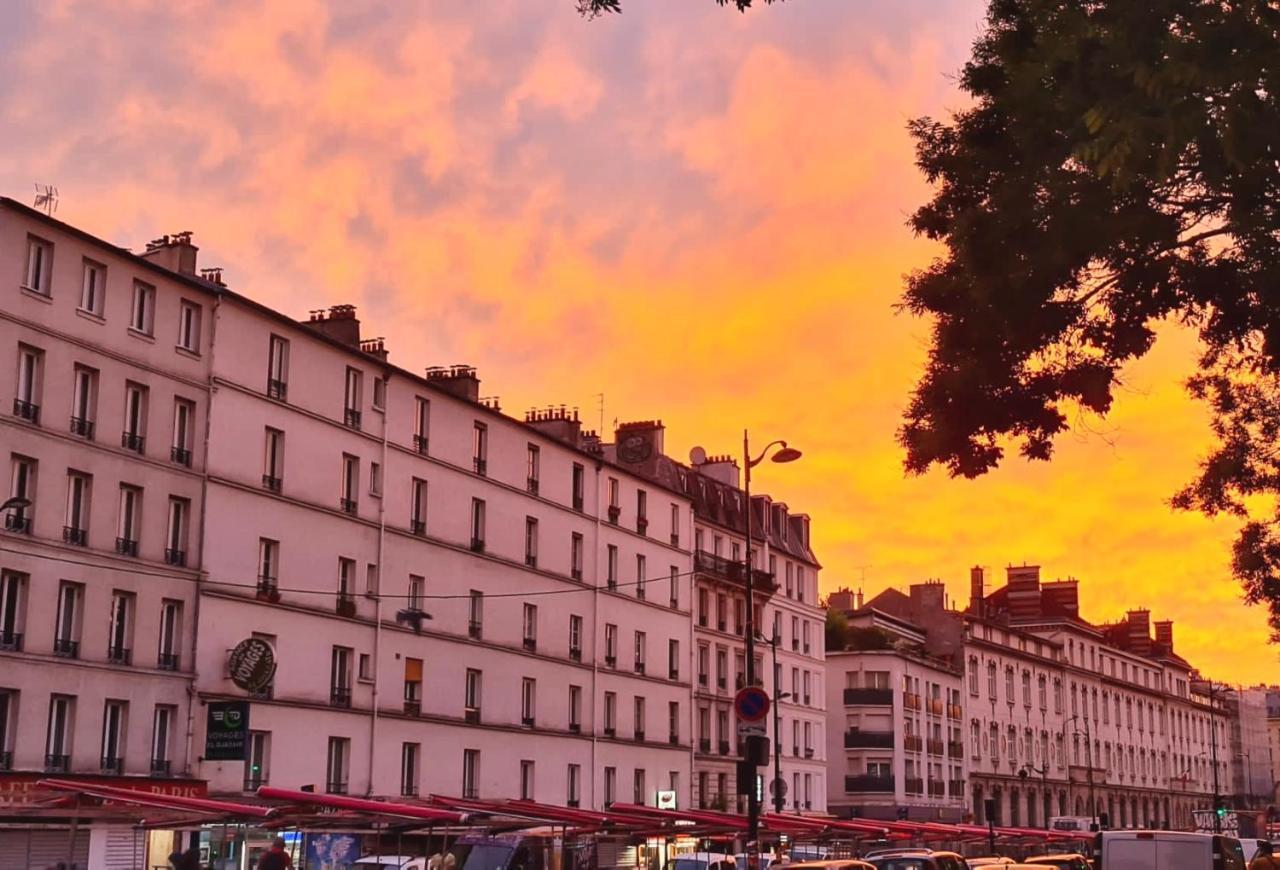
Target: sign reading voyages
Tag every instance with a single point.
(252, 664)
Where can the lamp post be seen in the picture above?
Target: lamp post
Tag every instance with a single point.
(1027, 770)
(1213, 746)
(1088, 760)
(784, 454)
(779, 800)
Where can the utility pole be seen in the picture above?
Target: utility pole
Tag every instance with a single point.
(1213, 747)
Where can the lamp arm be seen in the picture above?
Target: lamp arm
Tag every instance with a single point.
(752, 463)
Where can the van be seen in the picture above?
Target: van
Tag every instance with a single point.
(1166, 850)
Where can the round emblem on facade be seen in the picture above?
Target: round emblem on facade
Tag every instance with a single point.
(634, 449)
(252, 664)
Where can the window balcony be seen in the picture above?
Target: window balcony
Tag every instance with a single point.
(610, 661)
(347, 505)
(531, 644)
(868, 697)
(868, 783)
(673, 673)
(935, 706)
(639, 736)
(277, 389)
(340, 696)
(17, 522)
(480, 466)
(470, 792)
(954, 711)
(526, 721)
(119, 655)
(610, 731)
(267, 588)
(159, 767)
(575, 653)
(531, 560)
(934, 747)
(477, 545)
(351, 418)
(955, 788)
(272, 483)
(675, 539)
(673, 739)
(180, 455)
(575, 727)
(127, 547)
(854, 739)
(11, 641)
(346, 605)
(65, 648)
(266, 693)
(913, 785)
(532, 485)
(26, 411)
(112, 764)
(724, 747)
(955, 749)
(132, 441)
(575, 573)
(418, 528)
(412, 707)
(577, 502)
(722, 683)
(642, 525)
(82, 427)
(911, 701)
(912, 742)
(639, 667)
(473, 629)
(704, 745)
(937, 788)
(808, 752)
(725, 570)
(167, 661)
(336, 786)
(420, 444)
(614, 514)
(75, 537)
(175, 557)
(57, 763)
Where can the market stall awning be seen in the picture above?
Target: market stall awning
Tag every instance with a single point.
(365, 805)
(146, 799)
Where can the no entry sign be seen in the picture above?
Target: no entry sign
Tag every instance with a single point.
(751, 704)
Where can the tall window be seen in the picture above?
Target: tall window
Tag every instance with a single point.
(39, 265)
(575, 637)
(135, 418)
(273, 460)
(610, 785)
(142, 315)
(184, 414)
(531, 541)
(57, 747)
(615, 505)
(409, 769)
(26, 403)
(340, 677)
(610, 645)
(189, 326)
(673, 659)
(480, 448)
(93, 287)
(610, 714)
(84, 401)
(477, 525)
(418, 507)
(579, 486)
(575, 556)
(114, 715)
(170, 634)
(268, 564)
(640, 578)
(278, 368)
(350, 483)
(339, 758)
(638, 717)
(575, 775)
(162, 722)
(351, 403)
(22, 486)
(421, 424)
(130, 520)
(475, 613)
(13, 589)
(575, 709)
(675, 525)
(471, 693)
(413, 686)
(255, 768)
(611, 566)
(526, 780)
(638, 791)
(120, 630)
(533, 464)
(417, 588)
(175, 551)
(674, 599)
(642, 508)
(528, 698)
(346, 578)
(641, 643)
(77, 522)
(673, 722)
(530, 626)
(471, 773)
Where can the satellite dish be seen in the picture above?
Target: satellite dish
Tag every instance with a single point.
(698, 456)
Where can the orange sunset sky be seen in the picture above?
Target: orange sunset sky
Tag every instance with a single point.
(698, 213)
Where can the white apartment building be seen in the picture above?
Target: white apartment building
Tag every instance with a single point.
(103, 409)
(453, 607)
(1252, 784)
(893, 720)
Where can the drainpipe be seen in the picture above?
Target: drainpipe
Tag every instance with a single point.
(377, 592)
(192, 695)
(595, 633)
(693, 661)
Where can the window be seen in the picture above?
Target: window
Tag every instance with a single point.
(375, 479)
(336, 767)
(575, 556)
(84, 401)
(22, 486)
(170, 631)
(704, 661)
(790, 573)
(129, 524)
(120, 628)
(640, 571)
(528, 697)
(418, 507)
(350, 483)
(575, 637)
(114, 715)
(804, 629)
(575, 775)
(421, 424)
(704, 604)
(268, 564)
(189, 326)
(175, 552)
(673, 659)
(379, 394)
(610, 645)
(57, 751)
(94, 288)
(409, 769)
(346, 578)
(674, 599)
(615, 506)
(471, 694)
(278, 368)
(135, 418)
(13, 589)
(39, 265)
(142, 316)
(470, 773)
(162, 722)
(475, 613)
(1008, 684)
(351, 398)
(611, 566)
(26, 403)
(575, 708)
(642, 519)
(76, 531)
(673, 722)
(477, 525)
(183, 420)
(531, 541)
(722, 668)
(973, 677)
(638, 786)
(579, 486)
(480, 448)
(638, 717)
(610, 714)
(526, 780)
(530, 623)
(340, 677)
(675, 525)
(273, 460)
(641, 641)
(533, 464)
(610, 785)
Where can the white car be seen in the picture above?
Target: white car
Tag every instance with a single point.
(1167, 850)
(391, 862)
(703, 861)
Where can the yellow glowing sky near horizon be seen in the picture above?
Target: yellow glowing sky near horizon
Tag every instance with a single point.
(697, 213)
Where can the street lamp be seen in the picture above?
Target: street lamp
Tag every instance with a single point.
(1025, 771)
(1088, 760)
(779, 799)
(784, 454)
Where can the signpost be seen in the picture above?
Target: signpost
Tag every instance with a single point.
(751, 704)
(226, 735)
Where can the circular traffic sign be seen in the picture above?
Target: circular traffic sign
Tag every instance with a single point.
(778, 787)
(751, 704)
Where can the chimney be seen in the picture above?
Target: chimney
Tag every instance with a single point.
(859, 600)
(1139, 631)
(339, 323)
(174, 252)
(457, 380)
(639, 444)
(723, 469)
(1024, 592)
(1063, 595)
(842, 600)
(376, 347)
(558, 423)
(928, 599)
(977, 590)
(1164, 633)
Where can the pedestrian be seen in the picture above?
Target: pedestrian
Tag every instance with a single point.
(1264, 859)
(276, 858)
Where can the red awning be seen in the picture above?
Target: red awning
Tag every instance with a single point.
(145, 799)
(364, 805)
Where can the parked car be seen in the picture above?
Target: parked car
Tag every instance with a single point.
(1064, 861)
(941, 860)
(398, 862)
(988, 860)
(1167, 850)
(903, 861)
(836, 864)
(703, 861)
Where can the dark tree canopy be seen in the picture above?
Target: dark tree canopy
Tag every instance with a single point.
(595, 8)
(1118, 168)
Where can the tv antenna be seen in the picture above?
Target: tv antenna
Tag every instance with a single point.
(47, 198)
